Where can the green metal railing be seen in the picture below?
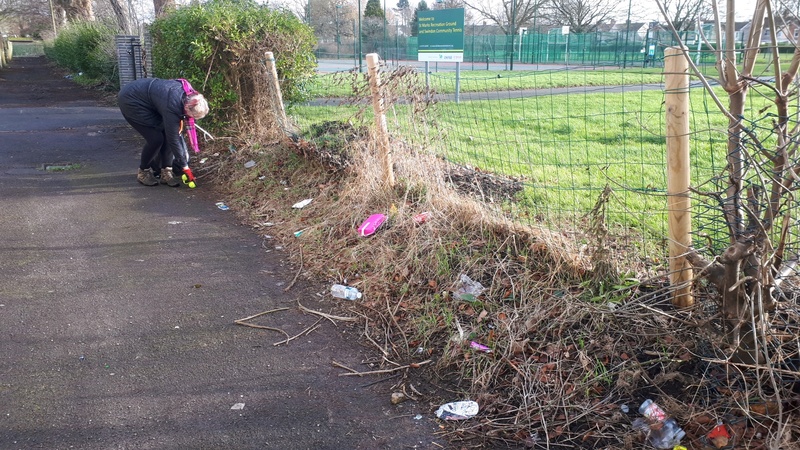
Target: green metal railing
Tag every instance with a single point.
(590, 49)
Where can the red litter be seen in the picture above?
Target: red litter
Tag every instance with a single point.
(422, 218)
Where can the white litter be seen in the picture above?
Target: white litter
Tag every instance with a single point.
(238, 406)
(468, 289)
(302, 204)
(457, 410)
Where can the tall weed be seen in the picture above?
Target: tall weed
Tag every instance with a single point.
(87, 48)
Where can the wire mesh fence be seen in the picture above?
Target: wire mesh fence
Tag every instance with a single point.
(559, 137)
(626, 48)
(560, 140)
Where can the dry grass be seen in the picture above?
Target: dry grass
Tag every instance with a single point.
(571, 342)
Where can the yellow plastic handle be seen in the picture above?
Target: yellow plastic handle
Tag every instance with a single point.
(186, 181)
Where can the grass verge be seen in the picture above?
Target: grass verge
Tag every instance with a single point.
(571, 338)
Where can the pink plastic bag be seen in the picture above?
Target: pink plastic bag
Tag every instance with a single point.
(371, 225)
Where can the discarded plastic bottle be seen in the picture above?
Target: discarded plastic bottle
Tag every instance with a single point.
(662, 432)
(345, 292)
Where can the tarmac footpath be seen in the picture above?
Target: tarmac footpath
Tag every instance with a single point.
(118, 302)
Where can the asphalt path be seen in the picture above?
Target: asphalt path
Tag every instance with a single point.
(118, 301)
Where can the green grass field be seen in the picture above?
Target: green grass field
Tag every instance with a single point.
(339, 84)
(566, 147)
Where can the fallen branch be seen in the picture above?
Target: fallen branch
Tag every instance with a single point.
(375, 372)
(243, 322)
(330, 317)
(369, 338)
(298, 272)
(302, 333)
(263, 327)
(342, 366)
(240, 321)
(390, 377)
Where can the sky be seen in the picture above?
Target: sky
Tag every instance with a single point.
(744, 9)
(649, 9)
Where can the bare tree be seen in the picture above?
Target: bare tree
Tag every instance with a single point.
(757, 194)
(122, 15)
(505, 13)
(404, 11)
(25, 17)
(74, 10)
(332, 18)
(452, 4)
(684, 14)
(582, 16)
(162, 7)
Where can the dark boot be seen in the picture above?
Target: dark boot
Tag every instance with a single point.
(146, 177)
(168, 178)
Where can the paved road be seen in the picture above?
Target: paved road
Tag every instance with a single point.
(117, 304)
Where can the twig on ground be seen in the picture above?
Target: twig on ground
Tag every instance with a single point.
(330, 317)
(390, 377)
(394, 321)
(391, 362)
(207, 170)
(402, 415)
(409, 395)
(239, 321)
(243, 322)
(302, 333)
(298, 272)
(375, 372)
(690, 323)
(342, 366)
(369, 338)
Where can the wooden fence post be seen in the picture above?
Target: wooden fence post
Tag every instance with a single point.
(679, 204)
(380, 117)
(277, 98)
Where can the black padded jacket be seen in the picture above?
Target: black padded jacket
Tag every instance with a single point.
(157, 103)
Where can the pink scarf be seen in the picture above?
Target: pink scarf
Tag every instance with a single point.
(191, 131)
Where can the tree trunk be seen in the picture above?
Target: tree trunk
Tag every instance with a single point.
(123, 17)
(163, 6)
(76, 10)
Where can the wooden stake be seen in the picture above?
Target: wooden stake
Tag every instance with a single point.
(380, 117)
(272, 71)
(679, 203)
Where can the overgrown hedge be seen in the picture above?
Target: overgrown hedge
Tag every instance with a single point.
(219, 47)
(87, 48)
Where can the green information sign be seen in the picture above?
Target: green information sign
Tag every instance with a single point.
(441, 35)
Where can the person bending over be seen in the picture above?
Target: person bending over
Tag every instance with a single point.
(157, 109)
